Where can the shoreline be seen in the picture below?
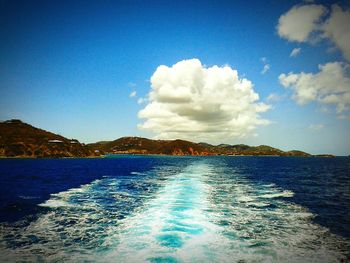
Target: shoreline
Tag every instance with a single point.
(162, 155)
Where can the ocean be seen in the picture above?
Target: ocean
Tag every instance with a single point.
(175, 209)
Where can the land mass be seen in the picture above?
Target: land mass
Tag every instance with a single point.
(19, 139)
(137, 145)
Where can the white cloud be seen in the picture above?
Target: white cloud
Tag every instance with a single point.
(298, 23)
(301, 22)
(265, 69)
(295, 52)
(274, 97)
(194, 102)
(132, 94)
(141, 100)
(337, 28)
(330, 86)
(132, 85)
(264, 60)
(315, 127)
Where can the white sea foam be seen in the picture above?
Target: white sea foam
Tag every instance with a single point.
(137, 173)
(174, 225)
(245, 199)
(278, 194)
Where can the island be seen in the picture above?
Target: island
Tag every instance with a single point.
(19, 139)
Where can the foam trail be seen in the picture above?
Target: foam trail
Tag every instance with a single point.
(205, 215)
(175, 226)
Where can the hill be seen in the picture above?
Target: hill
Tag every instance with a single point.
(138, 145)
(19, 139)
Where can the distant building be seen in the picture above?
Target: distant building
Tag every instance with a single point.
(55, 141)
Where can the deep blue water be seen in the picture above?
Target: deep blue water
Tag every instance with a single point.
(175, 209)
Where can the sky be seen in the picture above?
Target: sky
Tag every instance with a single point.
(254, 72)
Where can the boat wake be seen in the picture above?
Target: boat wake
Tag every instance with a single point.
(205, 213)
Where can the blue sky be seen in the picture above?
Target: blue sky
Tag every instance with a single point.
(70, 67)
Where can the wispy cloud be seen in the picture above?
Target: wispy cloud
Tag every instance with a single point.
(274, 97)
(132, 94)
(264, 60)
(266, 67)
(295, 52)
(141, 100)
(132, 85)
(315, 127)
(324, 109)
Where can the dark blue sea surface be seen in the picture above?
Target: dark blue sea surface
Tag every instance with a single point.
(175, 209)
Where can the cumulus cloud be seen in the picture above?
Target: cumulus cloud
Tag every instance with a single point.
(301, 22)
(132, 94)
(337, 29)
(298, 23)
(330, 86)
(295, 52)
(194, 102)
(315, 127)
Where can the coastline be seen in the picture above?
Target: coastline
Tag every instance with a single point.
(164, 155)
(21, 140)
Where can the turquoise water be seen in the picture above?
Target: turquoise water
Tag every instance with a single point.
(184, 210)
